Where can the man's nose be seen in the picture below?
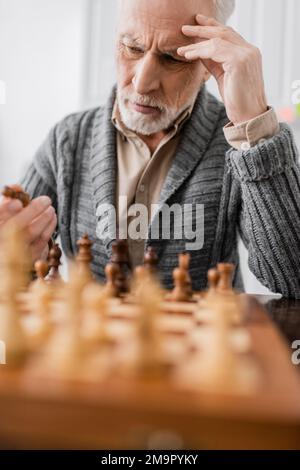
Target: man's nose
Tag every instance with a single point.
(146, 77)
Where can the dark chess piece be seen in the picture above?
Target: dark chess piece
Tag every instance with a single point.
(120, 257)
(16, 192)
(151, 260)
(54, 263)
(182, 291)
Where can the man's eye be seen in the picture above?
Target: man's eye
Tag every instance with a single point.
(173, 60)
(133, 50)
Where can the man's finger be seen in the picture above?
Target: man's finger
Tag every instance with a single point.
(210, 32)
(215, 49)
(9, 208)
(39, 225)
(32, 211)
(207, 21)
(39, 247)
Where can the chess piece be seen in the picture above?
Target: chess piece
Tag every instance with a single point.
(213, 277)
(225, 282)
(14, 273)
(220, 368)
(148, 362)
(142, 276)
(41, 268)
(39, 303)
(85, 257)
(16, 192)
(54, 263)
(184, 264)
(182, 291)
(112, 272)
(120, 257)
(64, 353)
(94, 299)
(151, 260)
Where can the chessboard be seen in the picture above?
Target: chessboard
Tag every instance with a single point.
(130, 365)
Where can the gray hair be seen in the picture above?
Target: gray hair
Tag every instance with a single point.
(224, 9)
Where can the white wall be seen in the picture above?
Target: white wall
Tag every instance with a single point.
(41, 44)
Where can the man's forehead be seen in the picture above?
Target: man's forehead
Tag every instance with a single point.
(166, 14)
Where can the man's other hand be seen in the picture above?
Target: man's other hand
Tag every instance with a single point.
(38, 220)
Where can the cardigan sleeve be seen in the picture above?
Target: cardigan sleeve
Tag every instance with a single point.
(40, 178)
(269, 219)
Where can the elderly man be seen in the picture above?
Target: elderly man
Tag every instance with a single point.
(163, 140)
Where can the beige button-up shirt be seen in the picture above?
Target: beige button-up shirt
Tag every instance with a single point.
(141, 175)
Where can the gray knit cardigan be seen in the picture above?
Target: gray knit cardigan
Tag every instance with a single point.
(254, 192)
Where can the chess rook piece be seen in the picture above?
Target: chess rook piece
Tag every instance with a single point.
(84, 256)
(16, 192)
(54, 263)
(226, 274)
(151, 260)
(120, 257)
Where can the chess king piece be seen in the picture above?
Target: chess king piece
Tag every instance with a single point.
(14, 273)
(120, 257)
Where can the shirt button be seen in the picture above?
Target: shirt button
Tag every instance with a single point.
(142, 188)
(245, 146)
